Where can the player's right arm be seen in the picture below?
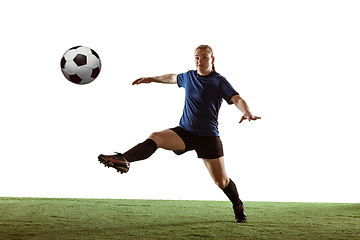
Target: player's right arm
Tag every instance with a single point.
(167, 78)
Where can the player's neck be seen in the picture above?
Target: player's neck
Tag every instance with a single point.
(205, 73)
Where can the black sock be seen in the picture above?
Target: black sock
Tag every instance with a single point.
(232, 193)
(141, 151)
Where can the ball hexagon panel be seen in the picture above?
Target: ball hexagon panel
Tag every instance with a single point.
(84, 71)
(71, 67)
(93, 61)
(70, 55)
(84, 50)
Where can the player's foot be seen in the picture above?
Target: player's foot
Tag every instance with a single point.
(116, 161)
(240, 215)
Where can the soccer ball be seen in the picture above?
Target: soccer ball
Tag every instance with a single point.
(80, 65)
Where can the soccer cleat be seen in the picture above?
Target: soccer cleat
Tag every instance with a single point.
(116, 161)
(240, 215)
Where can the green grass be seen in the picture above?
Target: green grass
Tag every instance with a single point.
(40, 218)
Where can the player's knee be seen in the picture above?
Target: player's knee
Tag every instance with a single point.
(157, 138)
(222, 183)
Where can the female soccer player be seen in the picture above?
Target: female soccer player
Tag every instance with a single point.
(198, 129)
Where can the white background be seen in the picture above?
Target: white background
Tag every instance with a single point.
(296, 63)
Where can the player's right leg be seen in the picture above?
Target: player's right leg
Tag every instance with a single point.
(166, 139)
(216, 168)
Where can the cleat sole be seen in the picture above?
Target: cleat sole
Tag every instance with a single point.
(109, 164)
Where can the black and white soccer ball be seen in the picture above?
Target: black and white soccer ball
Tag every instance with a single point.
(80, 65)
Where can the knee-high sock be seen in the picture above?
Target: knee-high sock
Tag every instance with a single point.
(141, 151)
(232, 193)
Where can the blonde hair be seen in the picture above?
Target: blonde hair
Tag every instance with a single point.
(208, 48)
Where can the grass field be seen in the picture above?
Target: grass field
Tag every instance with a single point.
(40, 218)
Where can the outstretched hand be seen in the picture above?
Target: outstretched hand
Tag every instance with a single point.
(249, 117)
(141, 80)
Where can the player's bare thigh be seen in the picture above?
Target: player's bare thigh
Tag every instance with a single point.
(168, 139)
(216, 168)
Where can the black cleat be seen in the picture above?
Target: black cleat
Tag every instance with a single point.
(116, 161)
(240, 215)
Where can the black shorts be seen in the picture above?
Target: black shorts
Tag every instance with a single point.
(205, 147)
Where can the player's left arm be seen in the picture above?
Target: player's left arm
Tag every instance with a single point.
(243, 107)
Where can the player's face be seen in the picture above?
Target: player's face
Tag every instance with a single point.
(203, 61)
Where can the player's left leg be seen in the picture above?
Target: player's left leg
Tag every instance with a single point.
(166, 139)
(216, 168)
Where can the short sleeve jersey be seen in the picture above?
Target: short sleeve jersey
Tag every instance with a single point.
(203, 98)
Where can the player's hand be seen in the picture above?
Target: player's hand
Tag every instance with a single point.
(141, 80)
(249, 117)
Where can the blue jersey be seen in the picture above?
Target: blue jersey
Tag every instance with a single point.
(203, 98)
